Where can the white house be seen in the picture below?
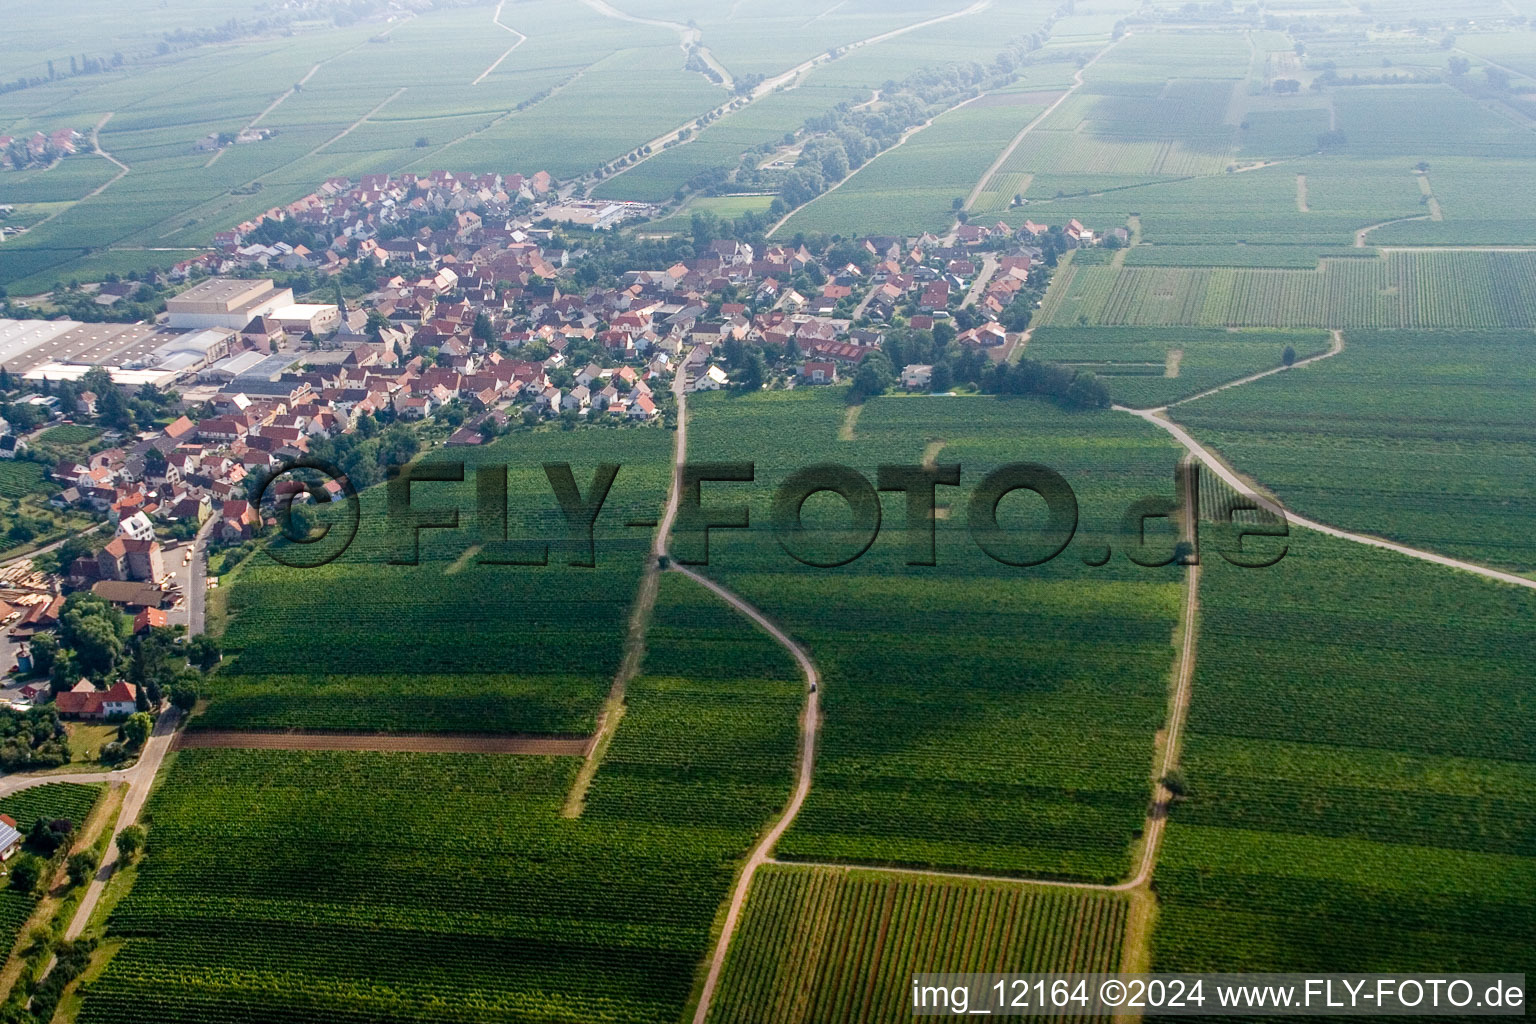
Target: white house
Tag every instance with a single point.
(916, 376)
(712, 379)
(136, 527)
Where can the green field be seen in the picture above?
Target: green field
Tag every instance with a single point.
(828, 944)
(911, 187)
(1040, 688)
(450, 644)
(70, 434)
(18, 479)
(1424, 437)
(61, 800)
(1360, 783)
(339, 872)
(1408, 290)
(1136, 362)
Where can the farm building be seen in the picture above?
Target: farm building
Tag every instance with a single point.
(85, 701)
(10, 837)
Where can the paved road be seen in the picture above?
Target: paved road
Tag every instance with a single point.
(197, 581)
(810, 717)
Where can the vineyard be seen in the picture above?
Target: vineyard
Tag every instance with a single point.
(451, 644)
(1424, 437)
(61, 800)
(828, 944)
(287, 886)
(1134, 362)
(1360, 794)
(1439, 290)
(1040, 688)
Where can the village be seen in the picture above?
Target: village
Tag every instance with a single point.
(468, 331)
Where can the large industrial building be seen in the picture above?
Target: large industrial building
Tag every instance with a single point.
(202, 335)
(226, 302)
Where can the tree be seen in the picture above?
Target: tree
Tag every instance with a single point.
(753, 371)
(26, 872)
(1087, 391)
(204, 651)
(136, 729)
(183, 698)
(1331, 140)
(873, 377)
(45, 648)
(943, 378)
(130, 842)
(1459, 66)
(1498, 78)
(47, 836)
(1288, 356)
(81, 867)
(484, 329)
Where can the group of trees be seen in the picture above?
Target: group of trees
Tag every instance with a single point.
(32, 739)
(1073, 389)
(365, 453)
(95, 641)
(143, 303)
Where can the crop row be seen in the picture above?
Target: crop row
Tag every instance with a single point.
(823, 944)
(1358, 797)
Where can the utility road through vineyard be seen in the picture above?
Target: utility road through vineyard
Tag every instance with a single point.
(1217, 466)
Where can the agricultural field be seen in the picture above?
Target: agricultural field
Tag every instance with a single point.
(369, 93)
(1359, 782)
(1407, 290)
(408, 887)
(62, 800)
(451, 644)
(1423, 437)
(1152, 366)
(1040, 687)
(823, 944)
(18, 478)
(70, 434)
(911, 186)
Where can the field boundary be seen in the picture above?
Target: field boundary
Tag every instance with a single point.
(640, 618)
(521, 39)
(413, 743)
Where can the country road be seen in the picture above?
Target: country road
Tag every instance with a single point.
(1018, 140)
(786, 78)
(139, 778)
(810, 722)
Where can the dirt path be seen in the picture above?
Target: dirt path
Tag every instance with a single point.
(1157, 419)
(99, 189)
(1018, 140)
(1301, 194)
(1334, 349)
(1360, 235)
(640, 616)
(850, 420)
(441, 743)
(690, 38)
(893, 147)
(253, 122)
(521, 39)
(1172, 362)
(1178, 704)
(809, 724)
